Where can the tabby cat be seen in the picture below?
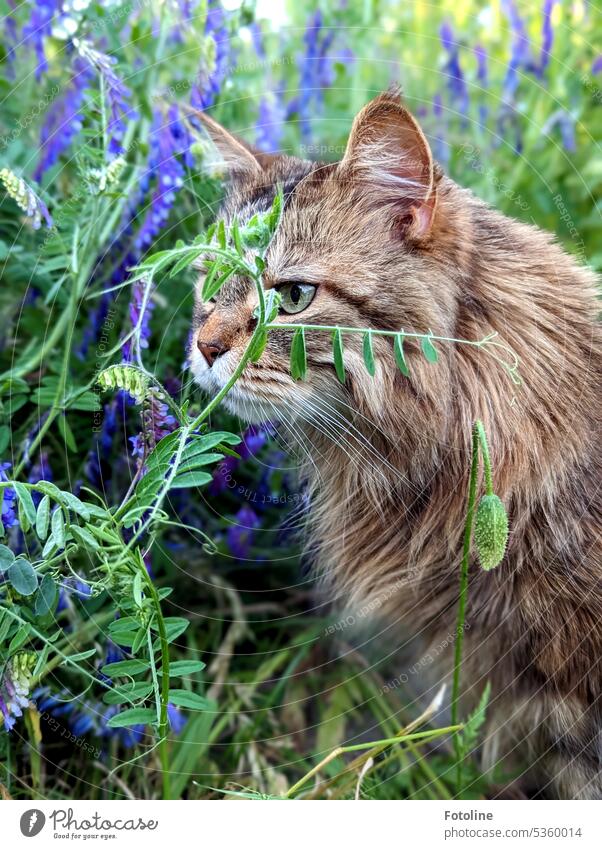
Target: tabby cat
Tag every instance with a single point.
(383, 239)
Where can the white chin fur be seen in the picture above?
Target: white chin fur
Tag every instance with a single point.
(251, 409)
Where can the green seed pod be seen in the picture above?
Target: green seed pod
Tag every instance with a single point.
(491, 531)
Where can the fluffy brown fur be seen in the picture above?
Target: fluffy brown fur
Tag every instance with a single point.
(392, 243)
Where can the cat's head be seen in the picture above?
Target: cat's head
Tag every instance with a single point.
(364, 242)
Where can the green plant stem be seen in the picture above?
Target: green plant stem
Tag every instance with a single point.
(359, 747)
(163, 716)
(472, 492)
(480, 432)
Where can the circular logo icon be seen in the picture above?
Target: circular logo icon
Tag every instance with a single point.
(32, 822)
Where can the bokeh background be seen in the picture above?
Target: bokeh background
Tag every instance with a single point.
(95, 104)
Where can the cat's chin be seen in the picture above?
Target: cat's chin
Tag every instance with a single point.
(252, 410)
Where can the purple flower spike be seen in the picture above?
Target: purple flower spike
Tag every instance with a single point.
(270, 123)
(9, 500)
(139, 312)
(117, 93)
(204, 93)
(456, 83)
(547, 32)
(520, 56)
(63, 120)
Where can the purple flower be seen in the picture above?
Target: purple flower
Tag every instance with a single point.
(566, 124)
(456, 83)
(547, 33)
(166, 146)
(140, 314)
(240, 535)
(270, 123)
(520, 55)
(157, 422)
(253, 440)
(205, 91)
(39, 28)
(9, 500)
(597, 65)
(117, 93)
(176, 718)
(483, 79)
(317, 73)
(63, 119)
(257, 39)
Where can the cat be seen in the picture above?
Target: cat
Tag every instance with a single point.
(383, 239)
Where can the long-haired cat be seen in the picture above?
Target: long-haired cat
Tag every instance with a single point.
(383, 239)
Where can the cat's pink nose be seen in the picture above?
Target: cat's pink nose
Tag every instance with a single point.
(211, 350)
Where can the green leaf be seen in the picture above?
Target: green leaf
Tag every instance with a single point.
(130, 692)
(49, 548)
(139, 639)
(429, 350)
(125, 667)
(23, 577)
(184, 262)
(19, 639)
(369, 354)
(199, 460)
(43, 518)
(4, 438)
(133, 716)
(191, 479)
(337, 349)
(84, 537)
(175, 626)
(58, 528)
(76, 504)
(6, 557)
(400, 356)
(214, 282)
(67, 433)
(221, 234)
(184, 667)
(235, 233)
(47, 596)
(258, 346)
(137, 589)
(468, 737)
(41, 660)
(25, 499)
(298, 355)
(186, 699)
(129, 622)
(81, 655)
(272, 304)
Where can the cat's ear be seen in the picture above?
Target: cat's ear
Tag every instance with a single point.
(389, 157)
(237, 157)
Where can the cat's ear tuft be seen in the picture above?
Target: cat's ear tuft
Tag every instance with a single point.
(235, 156)
(388, 156)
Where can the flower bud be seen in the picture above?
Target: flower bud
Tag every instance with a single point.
(491, 531)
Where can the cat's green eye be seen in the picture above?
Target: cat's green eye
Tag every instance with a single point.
(295, 297)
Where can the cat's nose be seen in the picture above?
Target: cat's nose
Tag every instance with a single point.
(211, 350)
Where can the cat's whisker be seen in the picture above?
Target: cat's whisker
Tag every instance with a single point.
(321, 423)
(350, 430)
